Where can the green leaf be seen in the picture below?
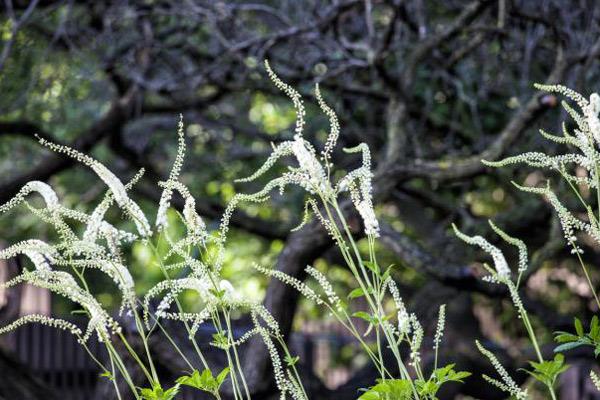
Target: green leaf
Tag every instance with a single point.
(370, 395)
(372, 266)
(547, 371)
(564, 337)
(595, 329)
(365, 316)
(396, 389)
(222, 376)
(157, 393)
(358, 292)
(579, 327)
(387, 272)
(567, 346)
(290, 361)
(107, 375)
(204, 381)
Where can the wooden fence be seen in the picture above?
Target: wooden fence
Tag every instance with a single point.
(56, 358)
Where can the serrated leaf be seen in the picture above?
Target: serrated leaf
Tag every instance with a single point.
(566, 337)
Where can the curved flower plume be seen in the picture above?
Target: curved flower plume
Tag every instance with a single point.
(116, 271)
(43, 320)
(313, 174)
(42, 188)
(283, 378)
(334, 125)
(330, 293)
(95, 223)
(260, 196)
(586, 139)
(116, 186)
(500, 264)
(290, 280)
(403, 317)
(541, 160)
(173, 287)
(518, 243)
(508, 384)
(362, 195)
(292, 94)
(64, 284)
(165, 197)
(569, 223)
(193, 222)
(281, 150)
(40, 253)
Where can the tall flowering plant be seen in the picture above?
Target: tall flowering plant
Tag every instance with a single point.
(391, 328)
(64, 267)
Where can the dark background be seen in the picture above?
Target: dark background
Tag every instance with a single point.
(432, 87)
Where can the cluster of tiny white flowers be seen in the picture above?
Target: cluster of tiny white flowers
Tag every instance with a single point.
(111, 180)
(334, 125)
(586, 139)
(507, 384)
(541, 160)
(173, 287)
(311, 174)
(44, 320)
(514, 295)
(39, 252)
(416, 340)
(64, 284)
(165, 197)
(193, 222)
(283, 383)
(278, 373)
(114, 270)
(403, 317)
(595, 379)
(591, 115)
(500, 263)
(281, 150)
(568, 221)
(523, 258)
(95, 223)
(439, 331)
(332, 297)
(265, 315)
(358, 182)
(316, 178)
(42, 188)
(290, 280)
(292, 94)
(365, 209)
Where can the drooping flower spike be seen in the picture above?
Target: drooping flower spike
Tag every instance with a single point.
(116, 186)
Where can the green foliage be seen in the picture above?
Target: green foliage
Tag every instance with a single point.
(580, 338)
(547, 371)
(396, 389)
(400, 389)
(205, 381)
(220, 340)
(291, 360)
(158, 393)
